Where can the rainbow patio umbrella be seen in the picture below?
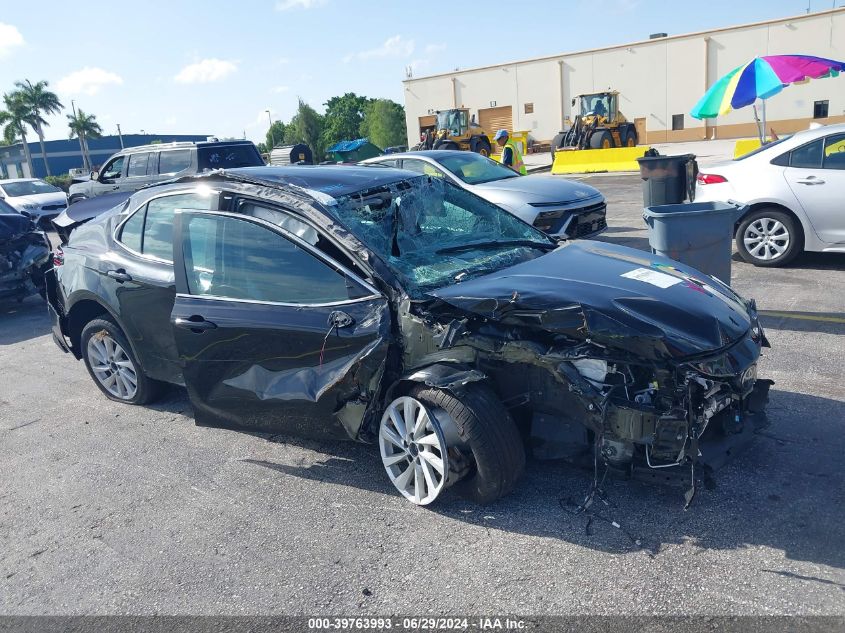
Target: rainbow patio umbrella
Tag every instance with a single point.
(762, 78)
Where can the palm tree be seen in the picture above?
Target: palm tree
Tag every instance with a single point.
(41, 102)
(84, 126)
(17, 115)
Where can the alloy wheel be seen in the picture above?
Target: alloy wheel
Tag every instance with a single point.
(413, 450)
(766, 239)
(112, 367)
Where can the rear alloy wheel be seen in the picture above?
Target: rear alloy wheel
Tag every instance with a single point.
(113, 366)
(413, 450)
(768, 237)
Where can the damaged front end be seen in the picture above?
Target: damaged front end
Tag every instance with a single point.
(650, 389)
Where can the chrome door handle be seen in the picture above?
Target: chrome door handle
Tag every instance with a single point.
(195, 323)
(810, 181)
(119, 275)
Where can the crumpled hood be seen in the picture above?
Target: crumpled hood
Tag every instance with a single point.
(624, 298)
(542, 188)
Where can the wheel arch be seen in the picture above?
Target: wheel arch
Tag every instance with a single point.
(767, 204)
(451, 377)
(82, 311)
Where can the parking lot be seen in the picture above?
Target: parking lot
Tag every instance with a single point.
(109, 509)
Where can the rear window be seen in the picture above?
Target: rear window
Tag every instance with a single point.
(228, 156)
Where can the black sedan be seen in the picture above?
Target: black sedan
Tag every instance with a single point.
(402, 310)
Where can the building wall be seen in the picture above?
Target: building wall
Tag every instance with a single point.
(64, 155)
(656, 79)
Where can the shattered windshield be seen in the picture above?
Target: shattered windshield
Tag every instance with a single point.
(434, 234)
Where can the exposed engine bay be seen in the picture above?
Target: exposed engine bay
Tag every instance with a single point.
(24, 255)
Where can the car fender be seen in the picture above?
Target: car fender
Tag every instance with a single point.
(795, 209)
(76, 298)
(451, 377)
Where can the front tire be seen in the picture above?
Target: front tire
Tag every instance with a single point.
(768, 237)
(601, 140)
(484, 445)
(481, 146)
(113, 366)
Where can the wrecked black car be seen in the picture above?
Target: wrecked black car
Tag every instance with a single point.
(24, 255)
(398, 309)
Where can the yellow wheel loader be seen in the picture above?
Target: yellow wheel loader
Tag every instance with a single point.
(455, 130)
(599, 125)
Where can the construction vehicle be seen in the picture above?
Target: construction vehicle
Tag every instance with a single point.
(598, 125)
(456, 130)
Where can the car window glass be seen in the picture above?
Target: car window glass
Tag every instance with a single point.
(808, 156)
(131, 232)
(422, 167)
(113, 169)
(834, 152)
(137, 165)
(386, 163)
(228, 156)
(282, 219)
(158, 227)
(254, 263)
(174, 160)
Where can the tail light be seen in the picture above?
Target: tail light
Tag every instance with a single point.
(58, 256)
(710, 179)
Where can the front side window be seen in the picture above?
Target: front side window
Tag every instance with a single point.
(834, 152)
(433, 233)
(422, 167)
(137, 165)
(236, 259)
(150, 230)
(808, 156)
(173, 161)
(113, 169)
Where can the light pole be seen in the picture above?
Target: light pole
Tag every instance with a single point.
(272, 137)
(120, 136)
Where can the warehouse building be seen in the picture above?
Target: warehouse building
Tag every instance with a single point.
(65, 155)
(659, 81)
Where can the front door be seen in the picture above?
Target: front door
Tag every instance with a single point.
(816, 175)
(272, 334)
(111, 176)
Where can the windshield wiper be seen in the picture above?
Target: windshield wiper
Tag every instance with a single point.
(496, 244)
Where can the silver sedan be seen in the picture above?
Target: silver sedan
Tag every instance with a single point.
(560, 207)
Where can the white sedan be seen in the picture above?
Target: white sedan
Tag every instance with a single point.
(795, 189)
(33, 197)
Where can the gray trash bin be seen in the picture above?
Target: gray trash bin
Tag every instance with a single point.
(667, 179)
(699, 234)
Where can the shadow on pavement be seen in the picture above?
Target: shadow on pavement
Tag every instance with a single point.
(787, 492)
(824, 322)
(23, 321)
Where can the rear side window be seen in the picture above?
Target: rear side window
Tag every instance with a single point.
(138, 165)
(173, 161)
(807, 156)
(228, 156)
(150, 230)
(236, 259)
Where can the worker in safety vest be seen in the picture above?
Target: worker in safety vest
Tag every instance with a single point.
(511, 155)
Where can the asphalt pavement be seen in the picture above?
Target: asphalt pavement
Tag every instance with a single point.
(111, 509)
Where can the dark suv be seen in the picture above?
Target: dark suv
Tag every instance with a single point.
(137, 167)
(402, 310)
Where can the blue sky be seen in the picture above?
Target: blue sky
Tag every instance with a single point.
(214, 67)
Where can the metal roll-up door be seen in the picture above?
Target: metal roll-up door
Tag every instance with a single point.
(493, 119)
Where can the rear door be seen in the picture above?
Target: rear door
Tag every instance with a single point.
(816, 175)
(272, 334)
(139, 172)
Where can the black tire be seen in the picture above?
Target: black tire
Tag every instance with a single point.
(767, 217)
(630, 138)
(481, 146)
(601, 139)
(446, 145)
(557, 142)
(486, 427)
(147, 390)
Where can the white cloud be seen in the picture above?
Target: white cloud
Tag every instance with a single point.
(435, 48)
(395, 46)
(87, 81)
(10, 38)
(282, 61)
(279, 89)
(205, 71)
(285, 5)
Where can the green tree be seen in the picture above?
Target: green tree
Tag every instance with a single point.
(343, 118)
(17, 116)
(41, 102)
(306, 126)
(84, 126)
(384, 123)
(275, 135)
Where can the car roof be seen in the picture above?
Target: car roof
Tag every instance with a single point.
(332, 180)
(155, 147)
(434, 154)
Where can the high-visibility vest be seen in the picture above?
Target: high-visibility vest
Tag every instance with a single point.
(518, 164)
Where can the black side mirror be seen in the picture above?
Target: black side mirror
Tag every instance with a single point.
(573, 103)
(95, 175)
